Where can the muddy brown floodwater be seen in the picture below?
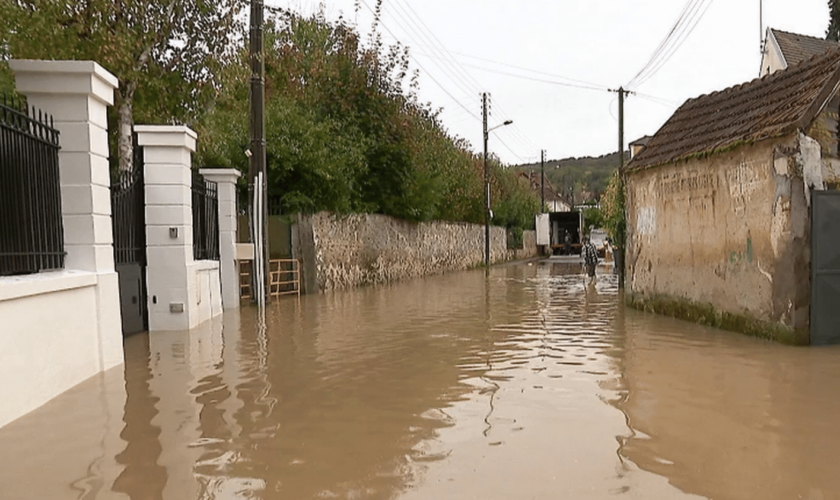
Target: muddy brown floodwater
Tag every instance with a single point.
(523, 384)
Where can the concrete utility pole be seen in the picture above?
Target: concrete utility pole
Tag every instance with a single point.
(542, 180)
(486, 133)
(621, 93)
(259, 232)
(486, 185)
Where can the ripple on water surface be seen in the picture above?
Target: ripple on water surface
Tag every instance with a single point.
(524, 383)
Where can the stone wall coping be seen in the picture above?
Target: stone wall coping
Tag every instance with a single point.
(64, 77)
(221, 174)
(204, 265)
(16, 287)
(166, 136)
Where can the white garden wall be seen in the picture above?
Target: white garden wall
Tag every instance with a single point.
(49, 340)
(59, 328)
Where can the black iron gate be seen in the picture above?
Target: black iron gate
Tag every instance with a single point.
(31, 229)
(825, 268)
(128, 212)
(205, 217)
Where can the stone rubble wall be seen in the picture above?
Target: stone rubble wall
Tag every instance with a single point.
(341, 252)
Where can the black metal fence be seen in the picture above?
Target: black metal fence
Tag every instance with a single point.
(31, 230)
(128, 208)
(205, 212)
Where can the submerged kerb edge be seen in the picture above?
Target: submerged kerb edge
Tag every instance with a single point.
(706, 314)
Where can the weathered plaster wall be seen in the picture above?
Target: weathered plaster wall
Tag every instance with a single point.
(347, 251)
(730, 230)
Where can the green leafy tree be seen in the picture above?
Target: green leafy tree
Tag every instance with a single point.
(7, 81)
(346, 133)
(166, 53)
(514, 204)
(833, 31)
(613, 210)
(593, 218)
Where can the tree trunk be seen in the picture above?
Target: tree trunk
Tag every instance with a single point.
(126, 124)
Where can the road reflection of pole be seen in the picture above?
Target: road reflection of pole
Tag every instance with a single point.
(619, 329)
(489, 352)
(264, 397)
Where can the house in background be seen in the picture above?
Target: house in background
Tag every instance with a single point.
(733, 217)
(783, 49)
(638, 145)
(553, 201)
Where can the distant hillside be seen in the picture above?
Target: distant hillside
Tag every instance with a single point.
(587, 176)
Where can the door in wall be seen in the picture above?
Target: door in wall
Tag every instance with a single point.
(825, 267)
(128, 215)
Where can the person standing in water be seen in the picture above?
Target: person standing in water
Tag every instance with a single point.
(590, 258)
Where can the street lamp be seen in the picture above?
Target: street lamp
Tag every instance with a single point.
(487, 188)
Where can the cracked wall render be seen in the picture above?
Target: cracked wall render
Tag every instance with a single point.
(730, 230)
(348, 251)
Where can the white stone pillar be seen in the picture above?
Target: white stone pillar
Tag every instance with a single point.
(77, 95)
(169, 237)
(226, 179)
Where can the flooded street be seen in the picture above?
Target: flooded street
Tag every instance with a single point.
(523, 384)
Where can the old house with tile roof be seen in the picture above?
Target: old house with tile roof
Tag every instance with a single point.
(553, 200)
(783, 49)
(719, 205)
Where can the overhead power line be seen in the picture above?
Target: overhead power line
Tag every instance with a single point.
(450, 67)
(444, 89)
(452, 62)
(664, 42)
(541, 80)
(688, 20)
(698, 15)
(522, 68)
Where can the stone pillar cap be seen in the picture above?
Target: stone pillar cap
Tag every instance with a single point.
(222, 174)
(64, 77)
(166, 135)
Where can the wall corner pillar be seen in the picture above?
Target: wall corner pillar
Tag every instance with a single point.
(77, 95)
(225, 179)
(169, 236)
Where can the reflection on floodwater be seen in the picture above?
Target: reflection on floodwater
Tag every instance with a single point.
(523, 383)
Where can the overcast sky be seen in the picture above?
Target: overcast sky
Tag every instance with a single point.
(521, 50)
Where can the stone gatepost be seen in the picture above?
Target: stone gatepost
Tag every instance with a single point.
(226, 178)
(77, 95)
(180, 290)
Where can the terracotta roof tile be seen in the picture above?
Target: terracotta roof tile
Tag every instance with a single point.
(766, 107)
(797, 48)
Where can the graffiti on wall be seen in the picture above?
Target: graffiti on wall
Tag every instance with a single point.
(646, 221)
(744, 180)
